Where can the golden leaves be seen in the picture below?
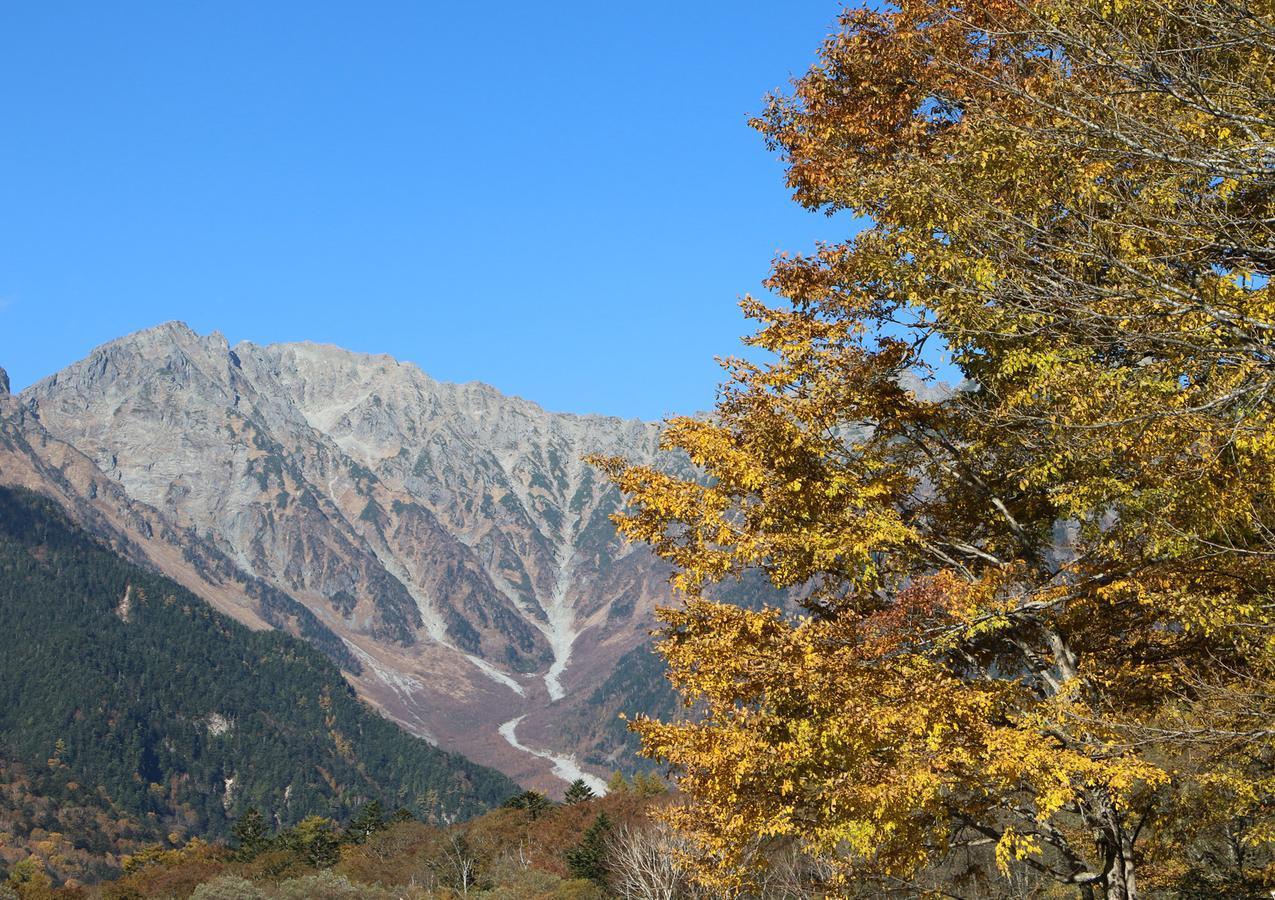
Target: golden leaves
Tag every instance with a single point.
(1033, 605)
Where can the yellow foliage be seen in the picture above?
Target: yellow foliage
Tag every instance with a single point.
(1036, 611)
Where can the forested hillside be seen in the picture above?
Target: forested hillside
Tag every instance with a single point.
(123, 692)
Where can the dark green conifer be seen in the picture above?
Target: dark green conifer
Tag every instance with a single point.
(578, 792)
(371, 819)
(251, 835)
(532, 801)
(588, 859)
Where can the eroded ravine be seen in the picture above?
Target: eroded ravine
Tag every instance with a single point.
(564, 766)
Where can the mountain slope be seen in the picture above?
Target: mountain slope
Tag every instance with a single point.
(117, 680)
(446, 540)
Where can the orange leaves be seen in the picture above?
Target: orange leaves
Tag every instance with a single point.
(891, 87)
(1027, 599)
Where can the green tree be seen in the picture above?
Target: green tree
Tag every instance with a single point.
(533, 802)
(30, 881)
(578, 792)
(648, 784)
(250, 833)
(314, 838)
(588, 859)
(371, 819)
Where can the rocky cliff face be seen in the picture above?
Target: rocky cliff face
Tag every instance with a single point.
(445, 541)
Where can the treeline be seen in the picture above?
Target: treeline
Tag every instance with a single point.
(582, 848)
(532, 848)
(121, 690)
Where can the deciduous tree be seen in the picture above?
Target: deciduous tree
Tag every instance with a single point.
(1037, 610)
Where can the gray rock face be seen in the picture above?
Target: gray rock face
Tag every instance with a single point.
(4, 383)
(450, 535)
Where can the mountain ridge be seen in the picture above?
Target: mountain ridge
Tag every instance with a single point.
(448, 535)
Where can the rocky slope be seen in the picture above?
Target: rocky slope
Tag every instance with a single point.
(444, 543)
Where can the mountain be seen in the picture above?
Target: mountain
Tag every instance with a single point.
(444, 544)
(131, 711)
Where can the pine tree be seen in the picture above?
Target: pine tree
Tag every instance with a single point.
(532, 801)
(578, 792)
(402, 814)
(588, 859)
(250, 834)
(371, 819)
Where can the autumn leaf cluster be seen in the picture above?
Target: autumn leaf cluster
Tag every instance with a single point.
(1034, 610)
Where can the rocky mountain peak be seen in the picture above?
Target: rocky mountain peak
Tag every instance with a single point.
(449, 536)
(4, 383)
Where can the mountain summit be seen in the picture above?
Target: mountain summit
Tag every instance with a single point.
(444, 542)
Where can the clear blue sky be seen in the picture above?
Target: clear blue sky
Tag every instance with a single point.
(561, 199)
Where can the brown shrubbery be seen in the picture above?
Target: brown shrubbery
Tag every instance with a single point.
(507, 854)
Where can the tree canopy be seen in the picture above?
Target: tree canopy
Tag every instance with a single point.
(1037, 611)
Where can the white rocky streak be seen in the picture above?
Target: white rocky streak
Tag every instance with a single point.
(559, 627)
(435, 627)
(125, 608)
(562, 619)
(496, 675)
(406, 686)
(560, 630)
(565, 767)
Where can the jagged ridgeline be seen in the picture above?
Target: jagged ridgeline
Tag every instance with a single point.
(119, 681)
(445, 544)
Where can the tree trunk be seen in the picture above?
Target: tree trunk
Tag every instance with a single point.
(1122, 883)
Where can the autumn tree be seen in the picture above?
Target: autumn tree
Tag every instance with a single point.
(314, 839)
(28, 881)
(1036, 609)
